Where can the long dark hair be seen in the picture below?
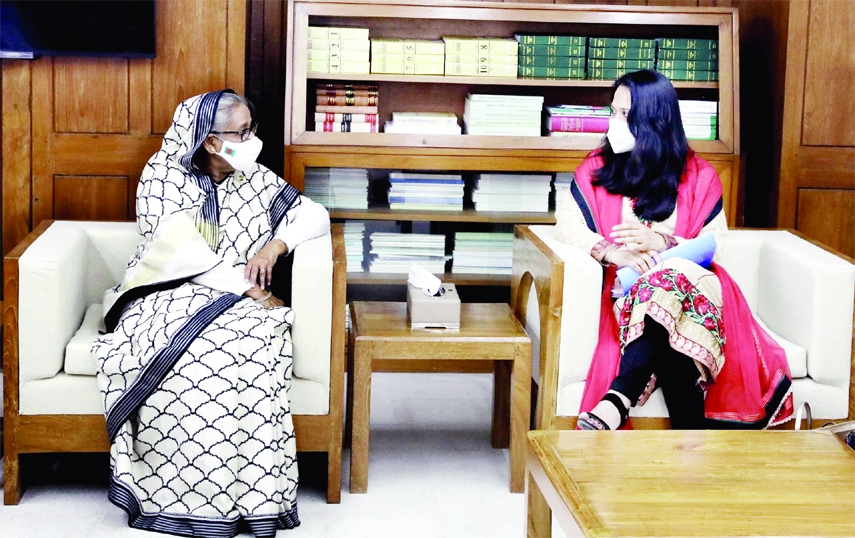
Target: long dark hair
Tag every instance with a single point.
(650, 172)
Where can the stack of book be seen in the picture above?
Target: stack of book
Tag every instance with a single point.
(503, 115)
(577, 120)
(395, 253)
(483, 253)
(481, 56)
(407, 57)
(344, 188)
(338, 50)
(347, 108)
(700, 119)
(562, 183)
(354, 231)
(512, 192)
(688, 59)
(440, 192)
(423, 123)
(551, 56)
(612, 57)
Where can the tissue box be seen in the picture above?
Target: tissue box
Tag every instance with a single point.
(440, 312)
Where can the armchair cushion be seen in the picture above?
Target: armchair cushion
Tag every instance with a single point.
(78, 355)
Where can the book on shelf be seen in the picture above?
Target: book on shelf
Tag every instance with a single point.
(685, 54)
(338, 44)
(689, 65)
(551, 61)
(424, 117)
(495, 59)
(422, 128)
(504, 70)
(408, 58)
(552, 50)
(588, 124)
(501, 98)
(695, 76)
(479, 45)
(471, 111)
(345, 127)
(614, 53)
(621, 43)
(346, 89)
(607, 74)
(354, 232)
(349, 118)
(395, 68)
(578, 110)
(690, 105)
(455, 179)
(699, 119)
(408, 46)
(615, 63)
(528, 71)
(335, 109)
(504, 106)
(337, 55)
(538, 39)
(351, 68)
(337, 33)
(347, 100)
(688, 44)
(582, 135)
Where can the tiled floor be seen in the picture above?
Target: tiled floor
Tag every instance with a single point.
(432, 474)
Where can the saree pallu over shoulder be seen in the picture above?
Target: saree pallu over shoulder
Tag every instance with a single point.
(752, 389)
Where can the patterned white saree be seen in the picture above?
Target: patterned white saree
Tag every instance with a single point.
(195, 380)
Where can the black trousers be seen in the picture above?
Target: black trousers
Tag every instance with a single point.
(676, 374)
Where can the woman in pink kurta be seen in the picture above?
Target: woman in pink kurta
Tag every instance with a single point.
(681, 327)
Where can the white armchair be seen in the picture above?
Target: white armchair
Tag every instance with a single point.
(801, 292)
(54, 283)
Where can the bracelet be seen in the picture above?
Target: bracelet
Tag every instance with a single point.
(268, 296)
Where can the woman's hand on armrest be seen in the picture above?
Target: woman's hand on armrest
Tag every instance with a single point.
(259, 268)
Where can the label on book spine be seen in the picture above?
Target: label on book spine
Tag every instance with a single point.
(614, 53)
(348, 118)
(689, 65)
(621, 43)
(688, 44)
(578, 124)
(552, 50)
(552, 61)
(551, 72)
(577, 41)
(619, 64)
(693, 76)
(682, 54)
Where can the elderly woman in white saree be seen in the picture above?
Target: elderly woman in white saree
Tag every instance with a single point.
(195, 365)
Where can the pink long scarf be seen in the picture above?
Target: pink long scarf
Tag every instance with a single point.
(752, 389)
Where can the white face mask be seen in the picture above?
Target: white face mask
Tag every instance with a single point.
(619, 135)
(241, 155)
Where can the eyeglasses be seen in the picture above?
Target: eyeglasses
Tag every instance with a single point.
(243, 133)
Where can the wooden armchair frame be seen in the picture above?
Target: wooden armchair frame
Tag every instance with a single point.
(535, 264)
(26, 434)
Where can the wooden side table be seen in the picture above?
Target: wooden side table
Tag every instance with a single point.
(488, 332)
(664, 483)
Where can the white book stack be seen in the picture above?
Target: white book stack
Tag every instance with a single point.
(395, 253)
(700, 119)
(483, 253)
(425, 191)
(338, 50)
(353, 233)
(342, 188)
(563, 180)
(512, 192)
(407, 56)
(423, 123)
(503, 115)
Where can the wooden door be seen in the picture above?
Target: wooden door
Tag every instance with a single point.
(77, 132)
(817, 184)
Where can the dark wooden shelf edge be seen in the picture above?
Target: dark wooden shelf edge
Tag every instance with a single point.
(400, 279)
(466, 215)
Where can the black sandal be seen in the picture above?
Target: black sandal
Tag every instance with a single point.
(590, 421)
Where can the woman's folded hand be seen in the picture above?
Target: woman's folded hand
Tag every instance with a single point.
(637, 237)
(641, 262)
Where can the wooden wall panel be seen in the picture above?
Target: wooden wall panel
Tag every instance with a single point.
(191, 58)
(77, 131)
(90, 95)
(829, 76)
(817, 181)
(81, 197)
(828, 215)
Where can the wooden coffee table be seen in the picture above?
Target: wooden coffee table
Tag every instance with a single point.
(381, 335)
(690, 483)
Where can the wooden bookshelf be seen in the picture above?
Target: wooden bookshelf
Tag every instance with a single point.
(426, 19)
